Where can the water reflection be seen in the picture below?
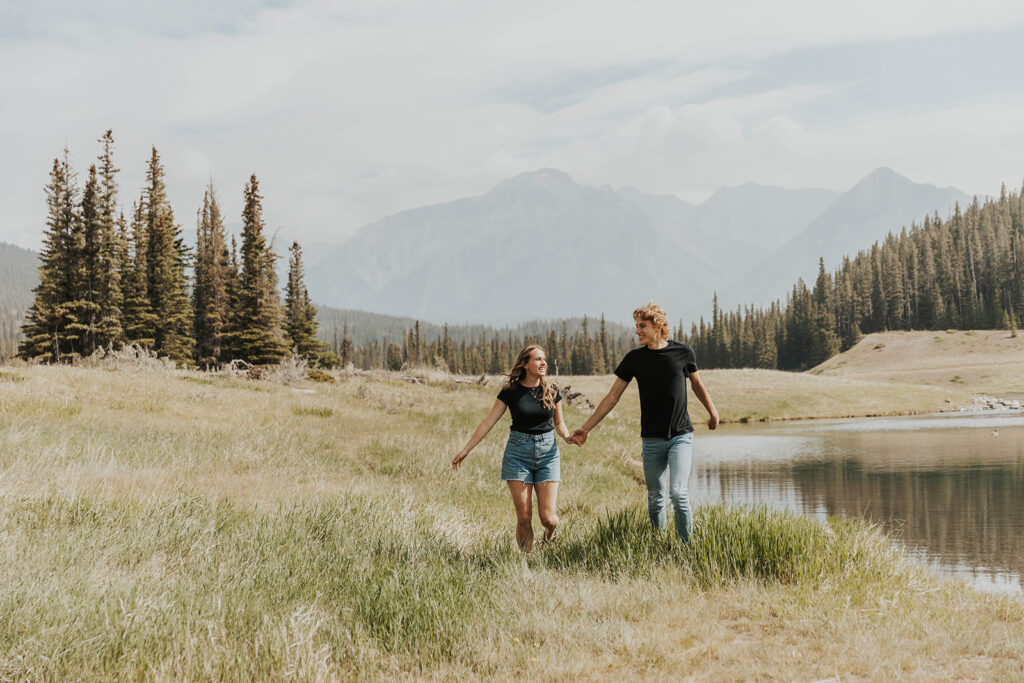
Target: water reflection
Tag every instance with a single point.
(949, 488)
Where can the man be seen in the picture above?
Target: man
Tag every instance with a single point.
(661, 367)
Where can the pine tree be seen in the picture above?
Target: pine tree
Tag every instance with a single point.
(300, 313)
(138, 318)
(46, 320)
(166, 259)
(257, 334)
(605, 351)
(84, 309)
(348, 350)
(212, 279)
(109, 296)
(553, 359)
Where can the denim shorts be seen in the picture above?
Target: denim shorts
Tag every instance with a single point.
(531, 458)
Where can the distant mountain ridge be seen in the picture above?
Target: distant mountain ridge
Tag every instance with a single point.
(881, 203)
(541, 245)
(537, 245)
(19, 274)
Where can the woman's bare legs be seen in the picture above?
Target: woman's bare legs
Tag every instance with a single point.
(547, 504)
(522, 498)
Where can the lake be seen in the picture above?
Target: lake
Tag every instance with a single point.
(950, 488)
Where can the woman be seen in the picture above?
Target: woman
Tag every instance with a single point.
(531, 459)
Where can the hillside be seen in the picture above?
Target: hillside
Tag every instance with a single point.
(979, 361)
(881, 203)
(753, 395)
(19, 273)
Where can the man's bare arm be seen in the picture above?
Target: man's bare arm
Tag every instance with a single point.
(604, 407)
(702, 395)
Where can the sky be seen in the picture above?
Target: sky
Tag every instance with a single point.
(350, 111)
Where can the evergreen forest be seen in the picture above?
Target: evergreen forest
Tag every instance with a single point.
(575, 346)
(109, 280)
(963, 273)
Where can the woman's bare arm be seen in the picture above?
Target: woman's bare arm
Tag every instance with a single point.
(497, 410)
(560, 427)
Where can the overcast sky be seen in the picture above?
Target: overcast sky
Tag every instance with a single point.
(350, 111)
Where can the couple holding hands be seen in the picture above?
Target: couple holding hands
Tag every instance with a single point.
(531, 460)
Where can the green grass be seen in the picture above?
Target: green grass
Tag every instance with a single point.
(315, 411)
(729, 544)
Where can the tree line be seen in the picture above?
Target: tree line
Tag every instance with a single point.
(966, 272)
(583, 350)
(107, 280)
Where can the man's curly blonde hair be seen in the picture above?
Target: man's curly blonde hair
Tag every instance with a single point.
(655, 315)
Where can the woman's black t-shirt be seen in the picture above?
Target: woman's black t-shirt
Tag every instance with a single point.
(660, 375)
(529, 415)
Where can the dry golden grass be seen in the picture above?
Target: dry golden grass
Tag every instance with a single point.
(174, 525)
(752, 395)
(976, 361)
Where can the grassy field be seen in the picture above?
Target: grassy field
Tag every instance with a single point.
(752, 395)
(979, 361)
(161, 524)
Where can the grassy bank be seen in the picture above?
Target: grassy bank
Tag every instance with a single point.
(756, 395)
(163, 525)
(974, 361)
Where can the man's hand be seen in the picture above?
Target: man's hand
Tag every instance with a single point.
(579, 437)
(713, 421)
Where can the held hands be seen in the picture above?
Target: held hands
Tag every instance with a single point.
(579, 437)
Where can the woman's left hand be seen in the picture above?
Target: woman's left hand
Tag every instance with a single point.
(457, 460)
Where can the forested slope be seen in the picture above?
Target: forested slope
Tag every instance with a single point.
(963, 273)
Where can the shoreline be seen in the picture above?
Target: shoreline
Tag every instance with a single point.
(911, 413)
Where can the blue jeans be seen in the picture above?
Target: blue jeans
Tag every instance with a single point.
(667, 471)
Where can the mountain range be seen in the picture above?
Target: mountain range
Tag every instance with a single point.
(541, 245)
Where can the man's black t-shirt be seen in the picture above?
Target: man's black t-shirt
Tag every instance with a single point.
(529, 415)
(661, 377)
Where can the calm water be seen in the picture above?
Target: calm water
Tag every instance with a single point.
(949, 488)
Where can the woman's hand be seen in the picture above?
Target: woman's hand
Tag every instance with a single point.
(459, 457)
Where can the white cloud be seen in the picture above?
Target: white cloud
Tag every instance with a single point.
(351, 111)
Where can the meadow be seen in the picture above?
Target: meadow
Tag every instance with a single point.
(168, 524)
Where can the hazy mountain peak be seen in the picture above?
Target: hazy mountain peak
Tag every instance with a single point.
(761, 215)
(550, 179)
(885, 178)
(882, 202)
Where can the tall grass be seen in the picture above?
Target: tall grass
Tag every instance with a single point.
(190, 588)
(729, 544)
(184, 587)
(163, 525)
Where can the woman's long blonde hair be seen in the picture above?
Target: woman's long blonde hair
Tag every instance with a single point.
(518, 371)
